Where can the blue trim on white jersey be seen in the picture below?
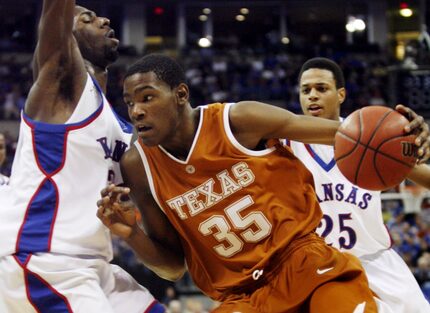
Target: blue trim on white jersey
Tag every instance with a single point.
(35, 233)
(125, 126)
(59, 128)
(43, 297)
(49, 150)
(326, 166)
(156, 308)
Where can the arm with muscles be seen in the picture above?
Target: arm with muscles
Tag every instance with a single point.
(253, 121)
(56, 57)
(158, 244)
(420, 175)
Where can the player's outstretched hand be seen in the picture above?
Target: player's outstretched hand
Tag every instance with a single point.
(117, 211)
(417, 125)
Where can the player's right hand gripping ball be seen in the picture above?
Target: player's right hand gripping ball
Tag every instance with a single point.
(372, 150)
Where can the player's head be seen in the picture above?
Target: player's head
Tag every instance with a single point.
(95, 38)
(322, 88)
(2, 149)
(156, 96)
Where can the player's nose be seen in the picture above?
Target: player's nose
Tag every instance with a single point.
(313, 94)
(104, 21)
(137, 113)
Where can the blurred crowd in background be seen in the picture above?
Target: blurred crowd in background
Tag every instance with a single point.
(234, 75)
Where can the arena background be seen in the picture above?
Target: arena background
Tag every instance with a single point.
(236, 50)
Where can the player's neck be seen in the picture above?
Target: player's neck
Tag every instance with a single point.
(100, 74)
(180, 144)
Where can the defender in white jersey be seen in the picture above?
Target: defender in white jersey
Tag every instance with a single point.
(352, 219)
(54, 252)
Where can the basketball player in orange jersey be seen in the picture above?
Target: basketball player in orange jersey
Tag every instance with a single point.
(352, 220)
(54, 253)
(246, 217)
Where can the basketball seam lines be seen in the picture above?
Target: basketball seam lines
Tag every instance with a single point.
(374, 150)
(352, 150)
(366, 146)
(390, 157)
(357, 142)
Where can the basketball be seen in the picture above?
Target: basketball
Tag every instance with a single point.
(372, 150)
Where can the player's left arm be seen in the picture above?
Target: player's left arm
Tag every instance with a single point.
(420, 175)
(253, 121)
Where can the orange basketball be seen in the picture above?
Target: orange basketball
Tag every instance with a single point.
(372, 150)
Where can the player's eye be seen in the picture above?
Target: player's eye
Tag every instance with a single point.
(87, 18)
(129, 103)
(147, 98)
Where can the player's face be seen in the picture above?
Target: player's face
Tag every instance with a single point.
(153, 107)
(96, 40)
(318, 94)
(2, 149)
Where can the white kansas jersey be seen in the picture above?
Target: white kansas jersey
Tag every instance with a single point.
(352, 219)
(57, 175)
(4, 180)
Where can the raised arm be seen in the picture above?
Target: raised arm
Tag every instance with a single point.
(56, 43)
(58, 68)
(158, 245)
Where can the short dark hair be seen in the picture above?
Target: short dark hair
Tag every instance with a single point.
(325, 64)
(165, 68)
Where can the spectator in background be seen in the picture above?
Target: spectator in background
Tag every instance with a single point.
(174, 306)
(422, 273)
(10, 108)
(169, 295)
(194, 306)
(4, 180)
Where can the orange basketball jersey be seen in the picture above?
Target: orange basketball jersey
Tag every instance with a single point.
(233, 207)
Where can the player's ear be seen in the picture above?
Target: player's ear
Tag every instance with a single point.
(182, 94)
(341, 93)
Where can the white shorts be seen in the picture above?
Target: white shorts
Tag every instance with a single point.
(392, 281)
(47, 283)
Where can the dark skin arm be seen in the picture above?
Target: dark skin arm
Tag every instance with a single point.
(419, 126)
(59, 70)
(157, 244)
(253, 121)
(420, 175)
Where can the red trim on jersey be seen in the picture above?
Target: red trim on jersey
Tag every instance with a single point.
(389, 235)
(54, 217)
(149, 308)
